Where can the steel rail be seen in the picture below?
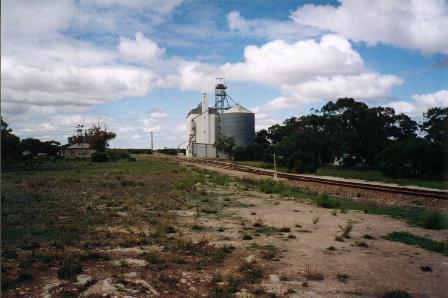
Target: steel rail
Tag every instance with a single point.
(438, 194)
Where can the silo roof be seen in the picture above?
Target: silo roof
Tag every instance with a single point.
(237, 109)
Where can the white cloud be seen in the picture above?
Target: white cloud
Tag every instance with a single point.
(142, 48)
(35, 19)
(421, 103)
(268, 29)
(278, 62)
(412, 24)
(50, 79)
(158, 114)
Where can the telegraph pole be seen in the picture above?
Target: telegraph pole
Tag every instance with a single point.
(152, 142)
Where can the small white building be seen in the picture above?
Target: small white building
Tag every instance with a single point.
(79, 150)
(201, 130)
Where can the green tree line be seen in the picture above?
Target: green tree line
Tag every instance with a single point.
(357, 135)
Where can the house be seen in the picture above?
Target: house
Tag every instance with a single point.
(79, 150)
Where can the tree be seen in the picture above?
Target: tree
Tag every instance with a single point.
(225, 145)
(98, 137)
(436, 125)
(414, 158)
(9, 143)
(79, 137)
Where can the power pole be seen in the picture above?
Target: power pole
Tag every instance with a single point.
(152, 143)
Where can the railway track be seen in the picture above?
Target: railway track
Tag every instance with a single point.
(404, 190)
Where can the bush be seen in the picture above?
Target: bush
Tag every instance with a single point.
(413, 158)
(117, 154)
(70, 267)
(325, 201)
(432, 221)
(302, 162)
(100, 157)
(396, 294)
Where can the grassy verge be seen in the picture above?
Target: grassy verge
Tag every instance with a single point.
(415, 216)
(351, 173)
(373, 175)
(422, 242)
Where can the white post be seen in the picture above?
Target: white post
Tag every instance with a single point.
(275, 170)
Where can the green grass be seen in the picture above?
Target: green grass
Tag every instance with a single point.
(65, 201)
(422, 242)
(325, 201)
(352, 173)
(414, 216)
(374, 175)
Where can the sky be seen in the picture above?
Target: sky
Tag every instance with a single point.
(138, 66)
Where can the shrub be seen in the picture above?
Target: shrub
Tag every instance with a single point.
(118, 154)
(99, 157)
(311, 273)
(432, 221)
(251, 271)
(271, 253)
(325, 201)
(285, 230)
(70, 267)
(346, 230)
(396, 294)
(247, 237)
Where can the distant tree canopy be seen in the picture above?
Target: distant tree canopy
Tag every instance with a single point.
(98, 137)
(436, 125)
(12, 148)
(10, 143)
(349, 130)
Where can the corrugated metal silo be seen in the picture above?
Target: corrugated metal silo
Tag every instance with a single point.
(238, 123)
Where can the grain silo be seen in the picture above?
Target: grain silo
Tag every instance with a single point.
(238, 123)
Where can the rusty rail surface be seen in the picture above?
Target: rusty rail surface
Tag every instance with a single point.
(438, 194)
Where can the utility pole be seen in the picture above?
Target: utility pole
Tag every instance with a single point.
(152, 143)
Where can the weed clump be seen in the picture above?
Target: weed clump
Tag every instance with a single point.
(361, 244)
(251, 271)
(396, 294)
(285, 230)
(346, 230)
(342, 277)
(311, 273)
(432, 221)
(225, 286)
(325, 201)
(247, 237)
(368, 236)
(271, 253)
(70, 267)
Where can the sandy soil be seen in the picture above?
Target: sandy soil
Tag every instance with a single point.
(383, 265)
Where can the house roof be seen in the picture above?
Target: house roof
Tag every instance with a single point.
(79, 146)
